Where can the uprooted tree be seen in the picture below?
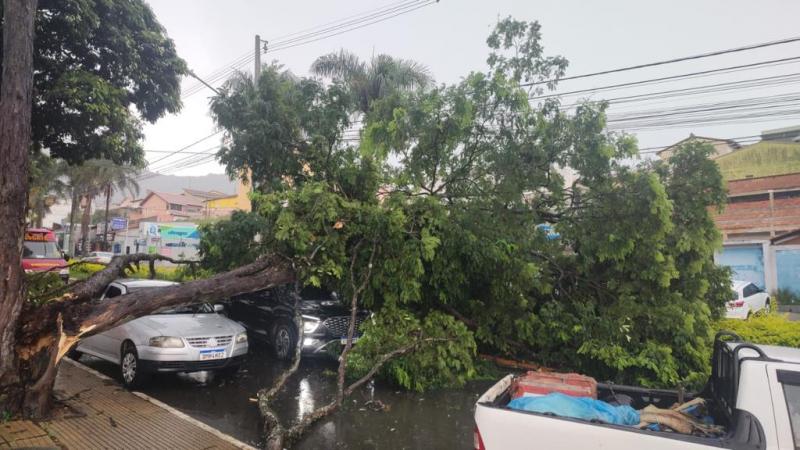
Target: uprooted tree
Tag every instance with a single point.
(450, 218)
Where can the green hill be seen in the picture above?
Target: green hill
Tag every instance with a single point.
(763, 159)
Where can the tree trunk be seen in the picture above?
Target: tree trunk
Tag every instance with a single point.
(105, 228)
(73, 211)
(15, 129)
(46, 333)
(86, 220)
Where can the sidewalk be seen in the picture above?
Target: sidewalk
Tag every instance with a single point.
(95, 412)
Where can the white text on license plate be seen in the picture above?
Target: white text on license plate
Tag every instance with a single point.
(205, 355)
(344, 340)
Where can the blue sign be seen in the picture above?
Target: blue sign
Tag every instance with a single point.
(119, 223)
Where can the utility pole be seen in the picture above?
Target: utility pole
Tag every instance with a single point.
(257, 70)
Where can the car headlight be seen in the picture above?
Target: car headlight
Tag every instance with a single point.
(310, 324)
(241, 337)
(166, 342)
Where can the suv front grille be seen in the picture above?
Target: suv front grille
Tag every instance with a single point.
(204, 342)
(339, 325)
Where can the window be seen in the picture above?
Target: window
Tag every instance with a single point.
(46, 249)
(175, 207)
(791, 392)
(113, 291)
(750, 289)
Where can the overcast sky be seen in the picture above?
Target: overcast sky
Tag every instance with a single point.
(449, 38)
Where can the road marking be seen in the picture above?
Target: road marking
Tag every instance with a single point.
(226, 437)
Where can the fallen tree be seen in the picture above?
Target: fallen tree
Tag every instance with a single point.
(47, 332)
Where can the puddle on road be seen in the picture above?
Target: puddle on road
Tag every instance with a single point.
(437, 419)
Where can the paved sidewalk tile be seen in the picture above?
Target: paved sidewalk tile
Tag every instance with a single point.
(24, 433)
(100, 414)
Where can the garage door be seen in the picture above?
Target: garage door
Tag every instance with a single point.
(787, 263)
(746, 261)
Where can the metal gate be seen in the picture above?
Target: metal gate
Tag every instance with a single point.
(787, 263)
(746, 261)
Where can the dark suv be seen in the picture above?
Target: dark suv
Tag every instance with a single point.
(268, 316)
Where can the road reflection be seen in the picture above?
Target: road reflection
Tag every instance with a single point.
(437, 419)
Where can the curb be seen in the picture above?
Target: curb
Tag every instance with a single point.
(226, 437)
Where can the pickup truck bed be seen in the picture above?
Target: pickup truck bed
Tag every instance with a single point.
(741, 408)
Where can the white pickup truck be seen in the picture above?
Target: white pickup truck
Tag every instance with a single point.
(753, 391)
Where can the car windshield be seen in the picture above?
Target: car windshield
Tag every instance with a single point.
(197, 308)
(41, 249)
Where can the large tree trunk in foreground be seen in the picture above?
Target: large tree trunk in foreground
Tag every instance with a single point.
(47, 332)
(15, 129)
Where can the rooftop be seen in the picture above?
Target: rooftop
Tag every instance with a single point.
(178, 199)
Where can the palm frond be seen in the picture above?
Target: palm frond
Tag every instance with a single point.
(343, 65)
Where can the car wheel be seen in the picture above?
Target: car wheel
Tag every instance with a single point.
(130, 370)
(284, 341)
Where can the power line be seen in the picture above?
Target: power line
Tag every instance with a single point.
(762, 82)
(670, 61)
(341, 26)
(672, 77)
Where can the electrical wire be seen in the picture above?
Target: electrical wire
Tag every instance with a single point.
(669, 61)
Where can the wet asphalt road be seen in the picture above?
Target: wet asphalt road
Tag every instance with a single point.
(439, 419)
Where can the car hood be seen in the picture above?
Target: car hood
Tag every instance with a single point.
(324, 308)
(190, 325)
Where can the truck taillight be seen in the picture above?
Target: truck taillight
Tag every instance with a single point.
(738, 303)
(478, 440)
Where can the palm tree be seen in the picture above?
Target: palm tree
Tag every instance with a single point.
(368, 81)
(119, 178)
(92, 178)
(46, 187)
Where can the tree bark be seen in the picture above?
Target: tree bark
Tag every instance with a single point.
(15, 129)
(73, 211)
(105, 228)
(46, 333)
(86, 220)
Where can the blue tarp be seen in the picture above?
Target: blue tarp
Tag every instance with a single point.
(585, 408)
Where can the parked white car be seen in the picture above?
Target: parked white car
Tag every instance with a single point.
(98, 257)
(747, 299)
(183, 339)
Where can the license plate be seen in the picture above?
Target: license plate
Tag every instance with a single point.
(344, 340)
(205, 355)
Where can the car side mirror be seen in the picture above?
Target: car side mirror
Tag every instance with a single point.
(219, 307)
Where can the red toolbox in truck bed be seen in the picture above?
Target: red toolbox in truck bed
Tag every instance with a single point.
(542, 383)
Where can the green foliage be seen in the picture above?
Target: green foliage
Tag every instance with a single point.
(42, 284)
(769, 329)
(280, 130)
(96, 62)
(446, 361)
(366, 82)
(81, 271)
(433, 221)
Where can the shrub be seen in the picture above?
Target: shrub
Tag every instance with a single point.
(771, 329)
(81, 271)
